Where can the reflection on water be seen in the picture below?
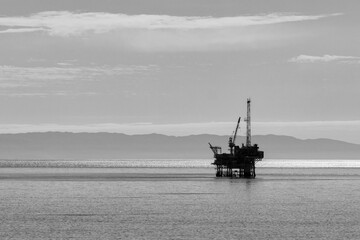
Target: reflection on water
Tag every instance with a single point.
(178, 203)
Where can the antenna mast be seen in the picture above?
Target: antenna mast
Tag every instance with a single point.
(248, 125)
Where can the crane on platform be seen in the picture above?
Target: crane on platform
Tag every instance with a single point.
(216, 150)
(232, 140)
(236, 130)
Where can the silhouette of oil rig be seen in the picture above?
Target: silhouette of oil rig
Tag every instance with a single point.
(240, 161)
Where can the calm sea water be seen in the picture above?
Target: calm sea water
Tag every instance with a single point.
(178, 199)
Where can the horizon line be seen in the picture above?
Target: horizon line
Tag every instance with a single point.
(168, 135)
(346, 131)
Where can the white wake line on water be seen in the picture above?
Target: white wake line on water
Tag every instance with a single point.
(309, 163)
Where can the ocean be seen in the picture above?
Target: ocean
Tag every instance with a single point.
(178, 199)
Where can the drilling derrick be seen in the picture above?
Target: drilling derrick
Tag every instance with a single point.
(248, 125)
(240, 162)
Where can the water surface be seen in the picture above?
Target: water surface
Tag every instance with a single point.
(150, 202)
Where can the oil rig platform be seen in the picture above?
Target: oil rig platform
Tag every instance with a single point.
(240, 161)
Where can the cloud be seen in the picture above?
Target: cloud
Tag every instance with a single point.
(63, 23)
(21, 30)
(324, 58)
(47, 94)
(62, 81)
(161, 32)
(13, 76)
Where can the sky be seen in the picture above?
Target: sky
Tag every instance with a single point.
(181, 67)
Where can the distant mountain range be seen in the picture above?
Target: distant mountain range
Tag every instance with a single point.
(56, 145)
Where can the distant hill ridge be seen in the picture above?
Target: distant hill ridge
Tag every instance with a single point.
(65, 145)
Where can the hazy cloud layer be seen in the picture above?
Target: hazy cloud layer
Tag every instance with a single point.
(13, 76)
(63, 81)
(47, 94)
(21, 30)
(63, 23)
(324, 58)
(160, 32)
